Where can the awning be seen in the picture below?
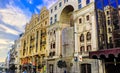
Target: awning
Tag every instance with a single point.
(105, 52)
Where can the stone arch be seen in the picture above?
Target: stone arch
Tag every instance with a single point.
(66, 15)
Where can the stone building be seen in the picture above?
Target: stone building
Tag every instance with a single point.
(79, 18)
(86, 40)
(73, 36)
(109, 55)
(33, 46)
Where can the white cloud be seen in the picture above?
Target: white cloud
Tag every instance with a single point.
(2, 59)
(6, 41)
(30, 1)
(47, 3)
(36, 12)
(5, 45)
(14, 16)
(11, 16)
(39, 6)
(8, 30)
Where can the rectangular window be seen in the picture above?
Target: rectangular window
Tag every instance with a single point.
(79, 1)
(54, 45)
(55, 17)
(51, 68)
(87, 18)
(79, 6)
(80, 20)
(37, 33)
(108, 22)
(87, 2)
(109, 30)
(45, 22)
(107, 12)
(51, 10)
(64, 1)
(51, 45)
(55, 7)
(60, 4)
(86, 68)
(51, 20)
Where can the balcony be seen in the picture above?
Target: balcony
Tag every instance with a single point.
(32, 39)
(43, 42)
(43, 34)
(84, 54)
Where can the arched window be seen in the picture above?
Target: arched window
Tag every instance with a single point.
(82, 38)
(88, 48)
(54, 31)
(80, 20)
(23, 52)
(51, 46)
(110, 39)
(109, 30)
(82, 49)
(54, 45)
(88, 36)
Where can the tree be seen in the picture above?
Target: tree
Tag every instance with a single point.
(61, 64)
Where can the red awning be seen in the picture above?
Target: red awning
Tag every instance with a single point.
(105, 52)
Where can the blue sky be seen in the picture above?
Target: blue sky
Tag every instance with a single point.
(14, 14)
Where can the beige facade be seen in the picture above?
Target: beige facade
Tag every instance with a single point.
(109, 24)
(33, 50)
(111, 18)
(101, 29)
(86, 39)
(83, 22)
(60, 40)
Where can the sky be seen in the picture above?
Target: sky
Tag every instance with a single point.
(14, 14)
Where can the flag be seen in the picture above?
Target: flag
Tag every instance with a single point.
(80, 58)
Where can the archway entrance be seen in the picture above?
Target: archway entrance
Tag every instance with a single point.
(111, 64)
(110, 59)
(66, 15)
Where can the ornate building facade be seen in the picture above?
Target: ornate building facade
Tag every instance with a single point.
(72, 22)
(33, 49)
(73, 36)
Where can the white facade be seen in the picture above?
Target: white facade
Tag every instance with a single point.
(17, 55)
(59, 9)
(67, 42)
(56, 10)
(84, 27)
